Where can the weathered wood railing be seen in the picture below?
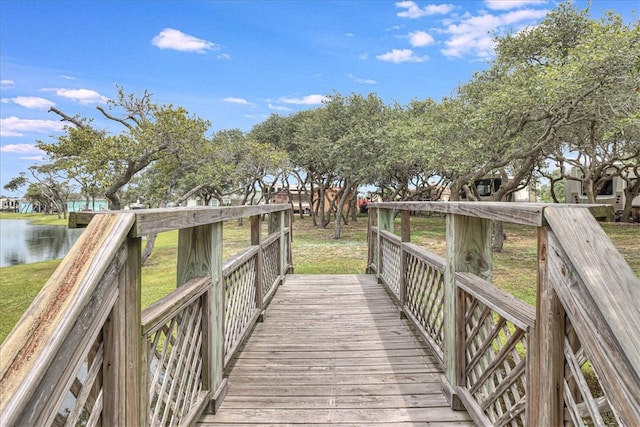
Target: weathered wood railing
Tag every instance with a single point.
(506, 362)
(84, 352)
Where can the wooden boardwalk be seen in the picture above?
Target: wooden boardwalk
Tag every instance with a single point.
(333, 350)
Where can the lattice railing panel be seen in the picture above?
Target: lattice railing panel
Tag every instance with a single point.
(495, 360)
(425, 297)
(83, 403)
(240, 302)
(175, 365)
(271, 265)
(584, 399)
(390, 265)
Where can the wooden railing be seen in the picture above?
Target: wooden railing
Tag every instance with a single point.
(85, 353)
(507, 362)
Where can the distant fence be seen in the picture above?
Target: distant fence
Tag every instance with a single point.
(506, 362)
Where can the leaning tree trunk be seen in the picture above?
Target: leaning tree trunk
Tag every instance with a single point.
(148, 247)
(498, 236)
(343, 198)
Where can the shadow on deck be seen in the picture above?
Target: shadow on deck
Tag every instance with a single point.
(333, 350)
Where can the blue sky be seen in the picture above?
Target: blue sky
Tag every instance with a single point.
(236, 62)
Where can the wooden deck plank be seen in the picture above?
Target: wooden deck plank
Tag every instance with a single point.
(333, 350)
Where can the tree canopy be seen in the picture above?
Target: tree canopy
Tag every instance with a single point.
(564, 94)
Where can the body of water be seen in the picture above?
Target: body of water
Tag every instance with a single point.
(24, 243)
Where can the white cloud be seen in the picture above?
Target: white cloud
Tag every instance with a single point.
(224, 56)
(398, 56)
(420, 39)
(361, 80)
(278, 107)
(473, 35)
(82, 96)
(306, 100)
(64, 76)
(256, 116)
(233, 100)
(20, 149)
(34, 158)
(170, 38)
(7, 83)
(413, 11)
(512, 4)
(13, 126)
(31, 102)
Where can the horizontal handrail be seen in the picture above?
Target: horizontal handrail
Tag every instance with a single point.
(151, 221)
(518, 312)
(156, 314)
(515, 213)
(235, 262)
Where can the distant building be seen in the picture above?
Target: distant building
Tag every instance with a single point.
(9, 204)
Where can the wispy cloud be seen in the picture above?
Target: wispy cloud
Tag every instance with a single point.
(306, 100)
(420, 39)
(31, 102)
(413, 11)
(34, 158)
(170, 38)
(82, 96)
(7, 83)
(13, 126)
(233, 100)
(20, 148)
(361, 80)
(473, 35)
(66, 77)
(398, 56)
(278, 107)
(224, 56)
(512, 4)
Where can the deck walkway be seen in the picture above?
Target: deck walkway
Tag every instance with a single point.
(333, 350)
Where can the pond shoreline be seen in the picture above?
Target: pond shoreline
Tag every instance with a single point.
(27, 240)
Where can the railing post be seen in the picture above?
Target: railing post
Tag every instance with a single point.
(385, 222)
(200, 254)
(371, 223)
(468, 250)
(125, 398)
(217, 332)
(545, 356)
(283, 244)
(405, 238)
(256, 240)
(289, 239)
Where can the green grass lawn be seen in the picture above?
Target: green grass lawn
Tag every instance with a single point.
(314, 251)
